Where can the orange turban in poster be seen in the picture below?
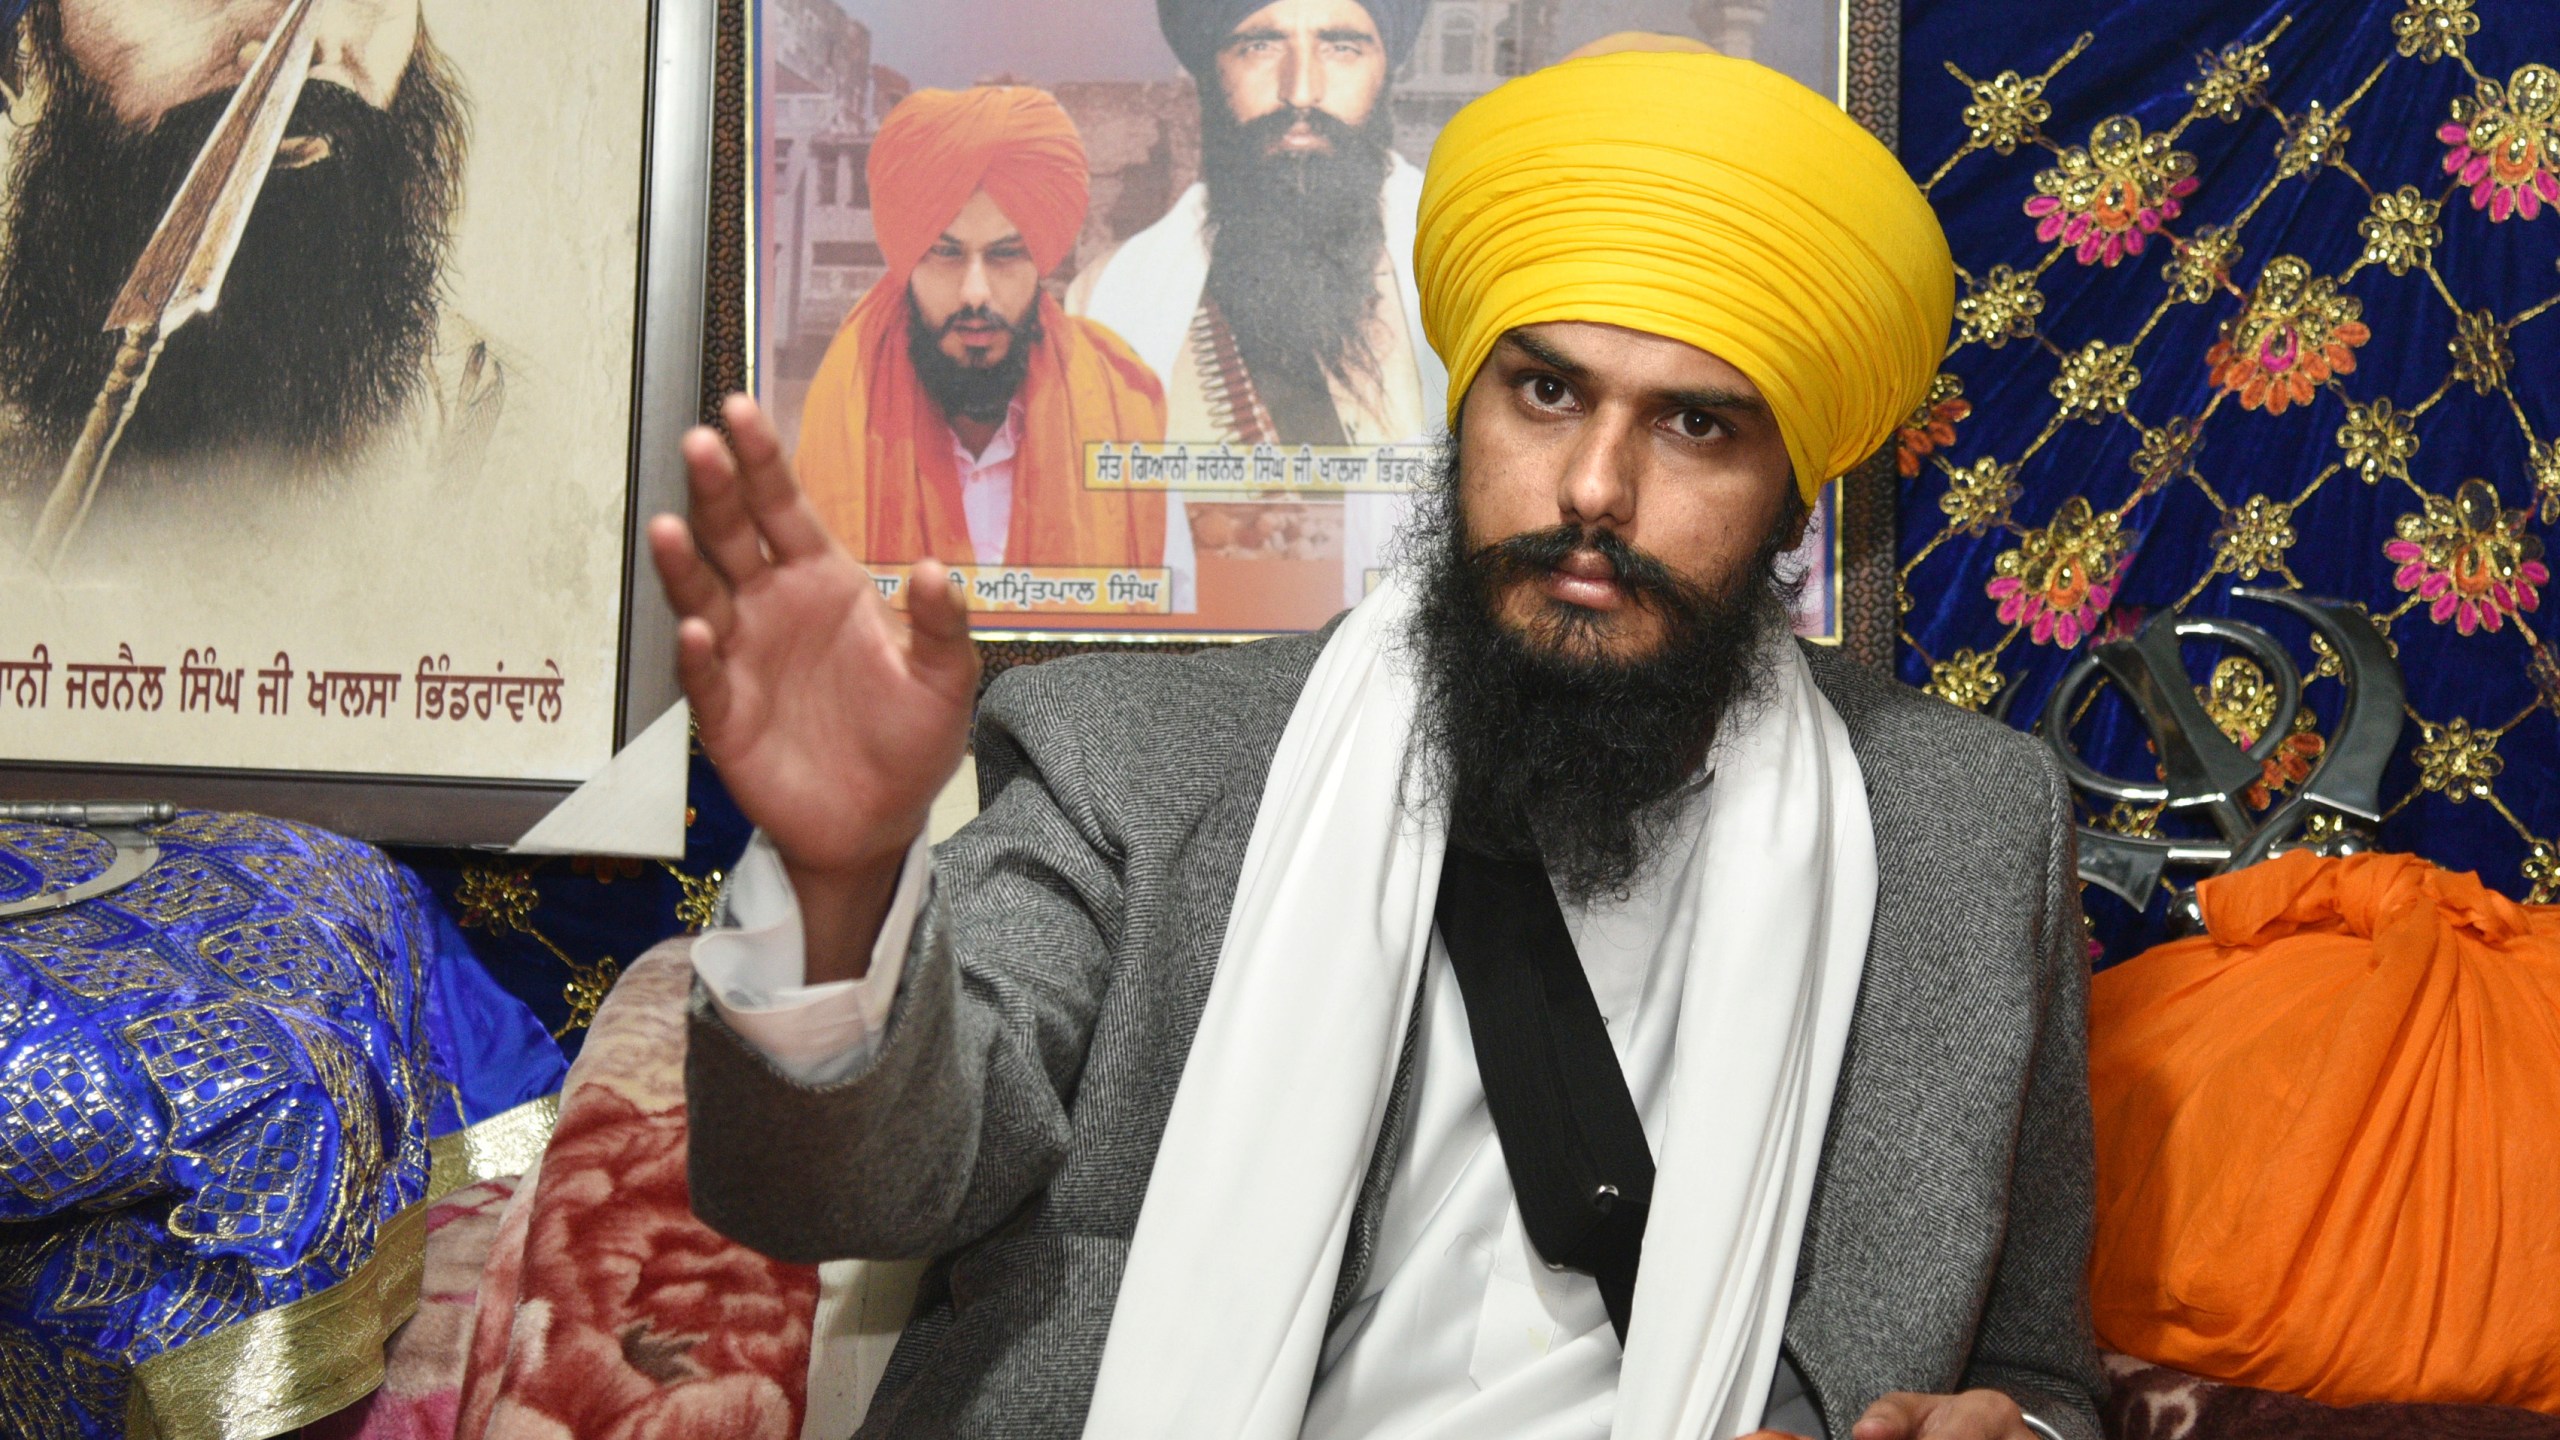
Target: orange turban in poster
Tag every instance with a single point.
(2325, 1153)
(875, 451)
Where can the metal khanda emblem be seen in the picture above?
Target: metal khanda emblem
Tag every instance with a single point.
(2205, 774)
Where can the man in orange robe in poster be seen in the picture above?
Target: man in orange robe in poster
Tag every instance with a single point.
(950, 416)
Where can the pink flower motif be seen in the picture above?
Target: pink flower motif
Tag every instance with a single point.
(2060, 580)
(2107, 199)
(2469, 559)
(2503, 144)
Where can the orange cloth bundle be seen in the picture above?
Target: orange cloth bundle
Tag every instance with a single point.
(2329, 1138)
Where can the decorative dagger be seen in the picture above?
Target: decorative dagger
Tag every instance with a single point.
(180, 274)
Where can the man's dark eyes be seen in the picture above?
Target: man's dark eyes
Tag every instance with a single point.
(1700, 424)
(1547, 390)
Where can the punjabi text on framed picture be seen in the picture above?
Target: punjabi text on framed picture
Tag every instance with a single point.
(1110, 308)
(343, 353)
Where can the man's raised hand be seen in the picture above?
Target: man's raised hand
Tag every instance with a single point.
(833, 720)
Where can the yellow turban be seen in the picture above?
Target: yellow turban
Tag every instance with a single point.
(1703, 199)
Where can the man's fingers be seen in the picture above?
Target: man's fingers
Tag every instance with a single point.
(693, 587)
(1895, 1417)
(699, 671)
(790, 527)
(940, 622)
(720, 520)
(1973, 1415)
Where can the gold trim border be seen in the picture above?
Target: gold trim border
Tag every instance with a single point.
(285, 1368)
(504, 1144)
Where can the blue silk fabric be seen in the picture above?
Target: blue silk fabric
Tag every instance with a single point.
(217, 1085)
(2493, 809)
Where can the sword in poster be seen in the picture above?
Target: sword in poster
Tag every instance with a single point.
(179, 277)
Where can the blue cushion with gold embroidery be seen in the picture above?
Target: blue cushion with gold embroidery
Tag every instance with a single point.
(221, 1089)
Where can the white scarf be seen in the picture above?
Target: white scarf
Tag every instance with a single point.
(1223, 1306)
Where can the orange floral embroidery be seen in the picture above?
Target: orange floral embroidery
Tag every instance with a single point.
(2297, 332)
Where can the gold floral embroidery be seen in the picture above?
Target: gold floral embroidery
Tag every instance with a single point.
(701, 902)
(2401, 233)
(2542, 872)
(2377, 440)
(2096, 380)
(2317, 137)
(2229, 83)
(2008, 110)
(2201, 264)
(2239, 700)
(1999, 308)
(496, 897)
(2297, 332)
(2106, 198)
(1979, 495)
(589, 982)
(2254, 537)
(2430, 30)
(2480, 354)
(2166, 451)
(2457, 761)
(1967, 680)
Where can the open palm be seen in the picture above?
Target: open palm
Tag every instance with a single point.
(834, 721)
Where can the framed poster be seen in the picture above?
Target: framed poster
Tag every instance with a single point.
(1243, 245)
(344, 349)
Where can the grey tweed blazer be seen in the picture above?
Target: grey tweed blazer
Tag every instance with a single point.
(1008, 1126)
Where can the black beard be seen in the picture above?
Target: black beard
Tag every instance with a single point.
(980, 393)
(1542, 746)
(1294, 244)
(327, 324)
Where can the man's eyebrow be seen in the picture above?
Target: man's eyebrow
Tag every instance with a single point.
(1711, 398)
(1546, 354)
(1344, 35)
(1261, 32)
(957, 243)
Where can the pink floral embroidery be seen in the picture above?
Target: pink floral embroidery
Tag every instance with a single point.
(2504, 143)
(2105, 200)
(2061, 579)
(2470, 558)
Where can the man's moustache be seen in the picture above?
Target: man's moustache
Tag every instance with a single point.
(1267, 131)
(981, 316)
(1540, 553)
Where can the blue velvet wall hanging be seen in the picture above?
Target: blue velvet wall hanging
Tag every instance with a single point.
(2251, 295)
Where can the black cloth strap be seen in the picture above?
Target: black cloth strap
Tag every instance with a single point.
(1570, 1133)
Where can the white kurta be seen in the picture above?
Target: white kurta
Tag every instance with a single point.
(1460, 1329)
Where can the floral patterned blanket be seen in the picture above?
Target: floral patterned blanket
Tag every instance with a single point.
(593, 1306)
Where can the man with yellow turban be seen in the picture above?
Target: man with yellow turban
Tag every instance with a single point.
(950, 416)
(1549, 1002)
